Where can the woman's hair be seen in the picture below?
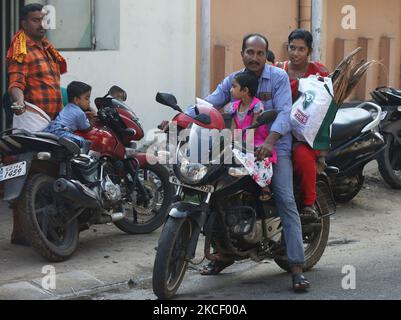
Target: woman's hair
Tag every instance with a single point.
(247, 79)
(271, 57)
(303, 35)
(76, 89)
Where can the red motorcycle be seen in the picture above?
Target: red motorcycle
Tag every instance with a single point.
(60, 190)
(113, 137)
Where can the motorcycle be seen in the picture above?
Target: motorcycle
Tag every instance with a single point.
(114, 137)
(355, 141)
(229, 214)
(389, 160)
(60, 190)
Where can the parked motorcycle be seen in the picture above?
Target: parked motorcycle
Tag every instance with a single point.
(60, 190)
(229, 214)
(389, 160)
(355, 141)
(114, 137)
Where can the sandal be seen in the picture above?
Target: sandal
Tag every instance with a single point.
(299, 282)
(215, 267)
(308, 213)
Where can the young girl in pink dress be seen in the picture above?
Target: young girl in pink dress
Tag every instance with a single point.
(245, 110)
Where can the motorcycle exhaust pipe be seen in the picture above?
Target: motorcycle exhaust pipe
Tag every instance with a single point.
(76, 194)
(106, 218)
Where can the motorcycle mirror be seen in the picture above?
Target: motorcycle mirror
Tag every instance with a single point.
(168, 99)
(203, 118)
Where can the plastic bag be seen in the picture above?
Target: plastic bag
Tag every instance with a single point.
(314, 112)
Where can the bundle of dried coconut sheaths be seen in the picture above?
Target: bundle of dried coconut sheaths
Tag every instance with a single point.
(347, 75)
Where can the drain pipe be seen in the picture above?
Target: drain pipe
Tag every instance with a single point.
(317, 29)
(205, 58)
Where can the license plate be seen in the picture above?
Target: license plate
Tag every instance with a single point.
(206, 189)
(13, 171)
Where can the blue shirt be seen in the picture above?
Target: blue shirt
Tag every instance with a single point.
(275, 92)
(72, 117)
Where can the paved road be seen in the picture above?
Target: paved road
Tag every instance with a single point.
(365, 234)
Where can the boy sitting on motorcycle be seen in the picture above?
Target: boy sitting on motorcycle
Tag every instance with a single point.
(73, 117)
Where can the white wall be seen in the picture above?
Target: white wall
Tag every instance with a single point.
(157, 53)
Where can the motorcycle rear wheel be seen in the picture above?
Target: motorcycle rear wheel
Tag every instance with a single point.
(38, 209)
(313, 252)
(346, 197)
(170, 264)
(390, 159)
(315, 238)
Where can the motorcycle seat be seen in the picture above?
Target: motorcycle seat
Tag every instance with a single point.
(45, 135)
(349, 124)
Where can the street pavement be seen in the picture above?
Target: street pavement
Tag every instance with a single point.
(365, 240)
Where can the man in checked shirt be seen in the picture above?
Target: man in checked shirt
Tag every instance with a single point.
(34, 68)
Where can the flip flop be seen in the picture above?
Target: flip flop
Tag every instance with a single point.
(300, 283)
(308, 213)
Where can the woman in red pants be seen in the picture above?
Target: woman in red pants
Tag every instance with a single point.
(306, 160)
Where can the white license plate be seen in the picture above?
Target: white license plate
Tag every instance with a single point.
(13, 171)
(206, 189)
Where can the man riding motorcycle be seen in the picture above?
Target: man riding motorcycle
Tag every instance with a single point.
(275, 93)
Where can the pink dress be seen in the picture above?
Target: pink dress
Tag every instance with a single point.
(261, 171)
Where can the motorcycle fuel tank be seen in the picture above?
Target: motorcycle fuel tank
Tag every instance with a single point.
(104, 142)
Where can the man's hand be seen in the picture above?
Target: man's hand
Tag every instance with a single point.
(264, 151)
(18, 107)
(17, 96)
(163, 126)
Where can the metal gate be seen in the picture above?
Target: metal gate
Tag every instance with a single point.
(9, 11)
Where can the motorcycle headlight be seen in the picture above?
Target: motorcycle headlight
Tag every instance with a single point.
(192, 172)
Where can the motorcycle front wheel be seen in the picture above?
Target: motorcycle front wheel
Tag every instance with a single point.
(140, 219)
(38, 209)
(170, 264)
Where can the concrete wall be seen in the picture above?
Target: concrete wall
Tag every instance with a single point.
(157, 52)
(375, 19)
(231, 20)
